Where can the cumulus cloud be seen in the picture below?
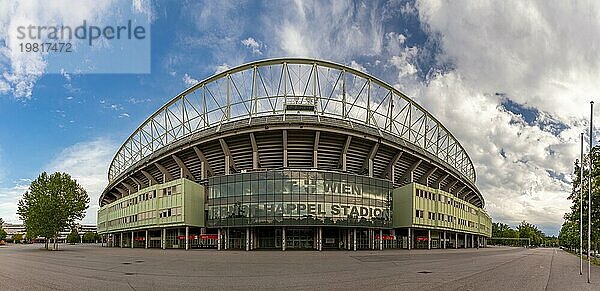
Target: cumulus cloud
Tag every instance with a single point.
(21, 70)
(221, 68)
(188, 80)
(9, 197)
(538, 55)
(541, 56)
(335, 30)
(355, 65)
(87, 162)
(253, 45)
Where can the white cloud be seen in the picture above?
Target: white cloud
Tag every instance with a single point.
(144, 6)
(252, 44)
(87, 162)
(221, 68)
(188, 80)
(133, 100)
(357, 66)
(21, 70)
(539, 54)
(542, 53)
(339, 30)
(9, 198)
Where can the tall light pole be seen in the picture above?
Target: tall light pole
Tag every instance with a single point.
(590, 189)
(581, 210)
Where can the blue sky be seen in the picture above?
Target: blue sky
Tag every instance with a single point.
(511, 80)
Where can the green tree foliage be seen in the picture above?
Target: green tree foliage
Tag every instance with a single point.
(569, 233)
(17, 238)
(528, 230)
(505, 235)
(52, 203)
(2, 232)
(73, 237)
(90, 237)
(500, 229)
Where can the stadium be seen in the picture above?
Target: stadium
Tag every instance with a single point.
(292, 154)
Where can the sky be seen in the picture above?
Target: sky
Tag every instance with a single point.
(512, 80)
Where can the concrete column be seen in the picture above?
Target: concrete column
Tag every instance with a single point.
(247, 239)
(346, 239)
(163, 238)
(444, 245)
(381, 240)
(320, 240)
(227, 238)
(429, 239)
(218, 239)
(121, 240)
(465, 240)
(409, 238)
(283, 238)
(187, 238)
(456, 240)
(146, 240)
(372, 231)
(354, 239)
(132, 239)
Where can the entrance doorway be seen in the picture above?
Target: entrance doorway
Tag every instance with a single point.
(299, 238)
(269, 238)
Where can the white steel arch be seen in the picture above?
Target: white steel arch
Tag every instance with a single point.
(292, 85)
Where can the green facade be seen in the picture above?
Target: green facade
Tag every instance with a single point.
(419, 206)
(175, 203)
(181, 202)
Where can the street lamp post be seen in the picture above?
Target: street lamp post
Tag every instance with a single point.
(581, 210)
(590, 189)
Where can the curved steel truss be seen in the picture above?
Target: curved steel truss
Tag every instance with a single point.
(298, 86)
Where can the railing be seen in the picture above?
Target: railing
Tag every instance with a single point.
(299, 86)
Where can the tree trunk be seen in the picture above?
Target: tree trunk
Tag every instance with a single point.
(46, 239)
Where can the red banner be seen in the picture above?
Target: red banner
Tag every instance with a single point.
(209, 236)
(386, 237)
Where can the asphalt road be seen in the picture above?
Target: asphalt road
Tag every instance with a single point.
(91, 267)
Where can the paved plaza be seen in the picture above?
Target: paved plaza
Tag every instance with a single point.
(91, 267)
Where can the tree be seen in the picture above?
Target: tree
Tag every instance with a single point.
(2, 232)
(73, 237)
(569, 233)
(90, 237)
(502, 230)
(17, 238)
(51, 204)
(527, 230)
